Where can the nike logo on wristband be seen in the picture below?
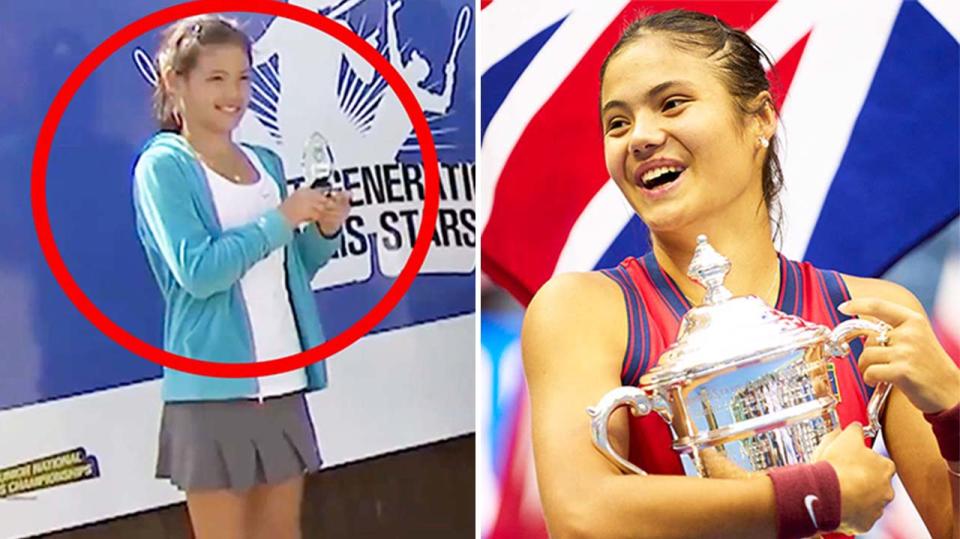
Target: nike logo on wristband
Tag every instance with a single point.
(808, 501)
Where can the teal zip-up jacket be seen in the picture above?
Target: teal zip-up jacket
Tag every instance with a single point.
(198, 267)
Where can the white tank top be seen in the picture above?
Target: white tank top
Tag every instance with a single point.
(264, 286)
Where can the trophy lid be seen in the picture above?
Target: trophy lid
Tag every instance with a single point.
(726, 332)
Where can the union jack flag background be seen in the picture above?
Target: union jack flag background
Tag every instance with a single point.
(868, 94)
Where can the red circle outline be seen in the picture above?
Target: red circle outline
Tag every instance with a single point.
(213, 368)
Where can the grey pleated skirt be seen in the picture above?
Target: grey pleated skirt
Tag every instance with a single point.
(236, 444)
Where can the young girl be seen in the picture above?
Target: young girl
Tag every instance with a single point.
(233, 257)
(689, 138)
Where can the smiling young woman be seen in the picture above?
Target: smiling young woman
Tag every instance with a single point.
(233, 257)
(690, 139)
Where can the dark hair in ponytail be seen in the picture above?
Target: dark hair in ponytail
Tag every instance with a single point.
(739, 63)
(180, 47)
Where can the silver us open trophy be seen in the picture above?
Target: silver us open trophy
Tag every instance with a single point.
(318, 163)
(743, 378)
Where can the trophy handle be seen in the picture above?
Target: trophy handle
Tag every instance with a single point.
(639, 405)
(837, 346)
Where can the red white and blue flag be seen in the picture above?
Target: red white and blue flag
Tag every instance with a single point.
(869, 98)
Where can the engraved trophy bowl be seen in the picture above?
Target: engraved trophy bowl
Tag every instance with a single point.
(743, 378)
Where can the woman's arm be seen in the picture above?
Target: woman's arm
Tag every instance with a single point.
(201, 263)
(574, 335)
(316, 249)
(931, 378)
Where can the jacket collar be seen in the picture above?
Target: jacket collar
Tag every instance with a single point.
(171, 140)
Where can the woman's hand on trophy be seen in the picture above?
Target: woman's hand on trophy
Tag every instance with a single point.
(303, 206)
(719, 466)
(911, 358)
(333, 211)
(864, 478)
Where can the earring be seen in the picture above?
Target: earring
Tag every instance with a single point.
(764, 142)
